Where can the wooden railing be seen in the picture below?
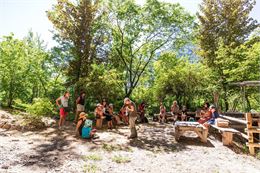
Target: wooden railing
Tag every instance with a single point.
(251, 130)
(248, 120)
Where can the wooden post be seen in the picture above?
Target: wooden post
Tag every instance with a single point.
(250, 134)
(205, 135)
(177, 133)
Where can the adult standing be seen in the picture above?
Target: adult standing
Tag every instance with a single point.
(80, 102)
(64, 107)
(132, 113)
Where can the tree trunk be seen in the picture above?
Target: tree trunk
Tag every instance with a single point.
(10, 95)
(226, 98)
(248, 107)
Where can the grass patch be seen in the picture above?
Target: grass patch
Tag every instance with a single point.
(110, 148)
(91, 168)
(245, 149)
(93, 157)
(121, 159)
(258, 155)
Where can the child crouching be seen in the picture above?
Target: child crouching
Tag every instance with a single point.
(84, 127)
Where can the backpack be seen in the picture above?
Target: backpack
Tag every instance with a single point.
(85, 128)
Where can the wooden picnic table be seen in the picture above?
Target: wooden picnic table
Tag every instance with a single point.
(183, 126)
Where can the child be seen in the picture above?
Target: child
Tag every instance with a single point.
(84, 126)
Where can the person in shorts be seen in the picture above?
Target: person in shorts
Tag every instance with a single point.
(63, 103)
(80, 102)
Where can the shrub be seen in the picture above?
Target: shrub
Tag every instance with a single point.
(41, 107)
(18, 104)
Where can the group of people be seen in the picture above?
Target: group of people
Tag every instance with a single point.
(84, 125)
(127, 115)
(207, 114)
(175, 114)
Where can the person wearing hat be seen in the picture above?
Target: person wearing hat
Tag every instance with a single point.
(132, 113)
(84, 126)
(99, 115)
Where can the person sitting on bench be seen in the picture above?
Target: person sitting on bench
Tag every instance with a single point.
(184, 113)
(162, 114)
(205, 114)
(214, 116)
(175, 110)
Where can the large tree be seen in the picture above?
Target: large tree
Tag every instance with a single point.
(140, 33)
(76, 24)
(223, 22)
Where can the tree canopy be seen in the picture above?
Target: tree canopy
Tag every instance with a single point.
(152, 52)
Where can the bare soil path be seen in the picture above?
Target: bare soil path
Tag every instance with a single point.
(155, 150)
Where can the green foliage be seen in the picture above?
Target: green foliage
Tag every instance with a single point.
(103, 83)
(117, 48)
(26, 70)
(139, 33)
(178, 79)
(41, 107)
(18, 104)
(79, 30)
(224, 26)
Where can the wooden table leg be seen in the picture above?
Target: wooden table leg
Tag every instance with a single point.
(227, 138)
(202, 135)
(177, 134)
(205, 135)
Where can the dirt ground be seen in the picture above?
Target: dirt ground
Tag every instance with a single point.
(155, 150)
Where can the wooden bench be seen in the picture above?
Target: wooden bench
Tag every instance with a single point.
(227, 134)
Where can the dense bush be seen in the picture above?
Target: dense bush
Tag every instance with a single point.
(18, 104)
(41, 107)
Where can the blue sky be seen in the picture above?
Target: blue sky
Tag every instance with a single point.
(19, 16)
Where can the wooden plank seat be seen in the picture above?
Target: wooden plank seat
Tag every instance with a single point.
(227, 134)
(183, 126)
